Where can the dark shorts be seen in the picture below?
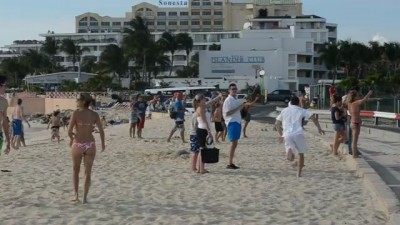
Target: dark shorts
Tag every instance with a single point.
(180, 125)
(17, 127)
(202, 137)
(234, 130)
(219, 127)
(194, 144)
(1, 142)
(247, 118)
(338, 127)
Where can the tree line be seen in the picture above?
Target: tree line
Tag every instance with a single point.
(139, 57)
(367, 66)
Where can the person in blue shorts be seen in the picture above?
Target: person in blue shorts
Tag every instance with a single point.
(231, 112)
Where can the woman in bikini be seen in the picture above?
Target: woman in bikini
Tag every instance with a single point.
(354, 108)
(82, 142)
(246, 116)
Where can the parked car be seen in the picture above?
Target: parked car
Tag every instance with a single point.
(280, 96)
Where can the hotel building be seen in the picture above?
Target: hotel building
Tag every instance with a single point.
(241, 27)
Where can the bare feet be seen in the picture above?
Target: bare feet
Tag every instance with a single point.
(75, 198)
(245, 136)
(85, 201)
(168, 140)
(184, 142)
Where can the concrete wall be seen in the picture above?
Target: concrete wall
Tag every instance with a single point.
(41, 105)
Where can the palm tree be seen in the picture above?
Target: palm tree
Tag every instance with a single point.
(14, 69)
(156, 61)
(186, 43)
(392, 53)
(137, 43)
(169, 43)
(330, 56)
(73, 50)
(112, 60)
(50, 47)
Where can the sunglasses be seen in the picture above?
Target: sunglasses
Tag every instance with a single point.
(234, 89)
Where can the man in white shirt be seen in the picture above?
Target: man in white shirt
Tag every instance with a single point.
(292, 133)
(231, 112)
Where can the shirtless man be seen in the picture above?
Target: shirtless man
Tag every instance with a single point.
(354, 108)
(17, 117)
(4, 127)
(55, 123)
(217, 119)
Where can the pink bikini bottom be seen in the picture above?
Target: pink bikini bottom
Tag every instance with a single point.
(85, 147)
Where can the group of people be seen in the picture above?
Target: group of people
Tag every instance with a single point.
(340, 119)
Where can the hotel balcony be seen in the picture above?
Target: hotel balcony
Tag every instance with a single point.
(320, 68)
(207, 17)
(179, 62)
(305, 66)
(332, 34)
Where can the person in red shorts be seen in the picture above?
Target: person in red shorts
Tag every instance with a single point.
(140, 106)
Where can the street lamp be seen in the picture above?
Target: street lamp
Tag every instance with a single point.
(262, 73)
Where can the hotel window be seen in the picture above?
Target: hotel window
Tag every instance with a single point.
(196, 3)
(184, 22)
(172, 14)
(82, 24)
(195, 22)
(206, 3)
(207, 22)
(217, 3)
(105, 23)
(83, 19)
(116, 23)
(206, 13)
(195, 13)
(218, 13)
(150, 23)
(218, 22)
(161, 23)
(92, 19)
(126, 23)
(184, 13)
(173, 23)
(161, 13)
(94, 24)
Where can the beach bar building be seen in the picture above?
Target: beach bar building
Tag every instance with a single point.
(52, 80)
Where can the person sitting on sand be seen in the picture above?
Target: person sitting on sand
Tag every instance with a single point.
(82, 142)
(292, 132)
(55, 123)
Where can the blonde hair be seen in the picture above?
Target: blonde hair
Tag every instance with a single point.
(196, 100)
(351, 97)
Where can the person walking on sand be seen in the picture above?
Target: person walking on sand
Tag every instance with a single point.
(231, 112)
(82, 142)
(55, 123)
(354, 108)
(179, 109)
(140, 106)
(292, 133)
(4, 125)
(245, 114)
(133, 118)
(17, 118)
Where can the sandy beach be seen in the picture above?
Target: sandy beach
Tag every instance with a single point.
(145, 182)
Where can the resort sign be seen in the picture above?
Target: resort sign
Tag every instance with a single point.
(238, 59)
(173, 3)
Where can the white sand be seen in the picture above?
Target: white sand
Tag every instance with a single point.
(143, 182)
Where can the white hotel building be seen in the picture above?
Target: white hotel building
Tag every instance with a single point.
(294, 38)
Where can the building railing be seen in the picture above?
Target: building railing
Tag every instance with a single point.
(278, 2)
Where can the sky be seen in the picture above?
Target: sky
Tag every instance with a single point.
(358, 20)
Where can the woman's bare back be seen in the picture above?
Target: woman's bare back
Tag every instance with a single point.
(84, 122)
(354, 109)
